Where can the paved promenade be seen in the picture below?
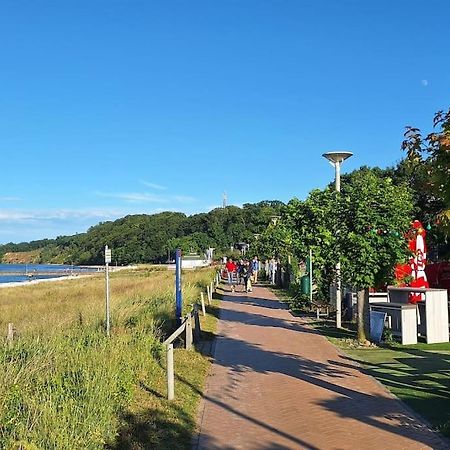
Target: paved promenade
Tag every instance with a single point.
(275, 384)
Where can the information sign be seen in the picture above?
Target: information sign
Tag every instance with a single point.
(107, 255)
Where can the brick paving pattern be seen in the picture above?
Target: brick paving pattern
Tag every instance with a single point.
(276, 384)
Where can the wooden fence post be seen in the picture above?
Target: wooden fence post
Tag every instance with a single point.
(189, 332)
(197, 328)
(202, 298)
(10, 335)
(170, 373)
(212, 289)
(210, 294)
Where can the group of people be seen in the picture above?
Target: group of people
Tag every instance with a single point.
(243, 272)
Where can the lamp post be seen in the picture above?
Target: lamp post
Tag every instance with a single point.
(336, 159)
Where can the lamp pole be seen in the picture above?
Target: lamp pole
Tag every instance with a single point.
(336, 159)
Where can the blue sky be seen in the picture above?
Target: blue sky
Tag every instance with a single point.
(115, 107)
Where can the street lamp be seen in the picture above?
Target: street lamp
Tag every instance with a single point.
(336, 159)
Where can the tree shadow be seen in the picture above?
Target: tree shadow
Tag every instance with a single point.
(382, 412)
(378, 411)
(423, 380)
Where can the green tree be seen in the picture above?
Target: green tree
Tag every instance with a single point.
(431, 155)
(313, 224)
(374, 213)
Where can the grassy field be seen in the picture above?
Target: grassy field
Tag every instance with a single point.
(417, 374)
(65, 385)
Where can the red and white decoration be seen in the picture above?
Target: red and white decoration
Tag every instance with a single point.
(418, 260)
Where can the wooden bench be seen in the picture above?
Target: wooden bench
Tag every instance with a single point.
(402, 319)
(319, 307)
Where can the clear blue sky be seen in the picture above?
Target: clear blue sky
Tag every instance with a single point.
(112, 107)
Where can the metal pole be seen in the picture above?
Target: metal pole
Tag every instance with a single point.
(310, 277)
(178, 294)
(337, 173)
(338, 295)
(337, 166)
(107, 299)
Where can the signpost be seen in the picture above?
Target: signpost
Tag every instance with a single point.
(178, 295)
(107, 261)
(310, 270)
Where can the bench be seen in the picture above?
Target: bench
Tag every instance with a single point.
(319, 308)
(402, 319)
(432, 311)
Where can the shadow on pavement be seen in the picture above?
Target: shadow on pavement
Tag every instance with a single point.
(373, 410)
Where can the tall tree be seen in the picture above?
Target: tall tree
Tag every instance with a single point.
(431, 154)
(374, 214)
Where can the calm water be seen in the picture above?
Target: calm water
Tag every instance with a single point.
(22, 272)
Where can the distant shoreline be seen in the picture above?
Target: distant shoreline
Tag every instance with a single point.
(44, 280)
(62, 278)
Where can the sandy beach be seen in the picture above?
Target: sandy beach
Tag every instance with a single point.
(68, 277)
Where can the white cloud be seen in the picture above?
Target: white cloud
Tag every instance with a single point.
(134, 197)
(153, 185)
(9, 199)
(146, 197)
(57, 214)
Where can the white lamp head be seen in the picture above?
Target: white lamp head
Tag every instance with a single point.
(337, 157)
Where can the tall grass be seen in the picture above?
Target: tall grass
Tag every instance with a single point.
(63, 383)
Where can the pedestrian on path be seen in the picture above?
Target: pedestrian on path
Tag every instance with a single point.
(230, 267)
(272, 270)
(247, 276)
(267, 269)
(255, 269)
(239, 266)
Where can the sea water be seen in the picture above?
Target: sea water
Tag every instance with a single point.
(27, 272)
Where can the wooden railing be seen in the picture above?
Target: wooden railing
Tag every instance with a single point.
(190, 326)
(192, 334)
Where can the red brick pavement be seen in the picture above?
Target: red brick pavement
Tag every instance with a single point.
(275, 384)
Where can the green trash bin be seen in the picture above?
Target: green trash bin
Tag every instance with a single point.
(304, 284)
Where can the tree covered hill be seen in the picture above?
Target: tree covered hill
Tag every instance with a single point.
(148, 238)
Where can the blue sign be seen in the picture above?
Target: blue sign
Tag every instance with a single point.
(178, 295)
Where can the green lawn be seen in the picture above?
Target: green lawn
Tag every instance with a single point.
(417, 374)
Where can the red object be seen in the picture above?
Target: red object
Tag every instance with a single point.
(401, 272)
(415, 268)
(438, 275)
(230, 266)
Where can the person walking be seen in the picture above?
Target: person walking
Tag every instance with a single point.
(255, 269)
(239, 266)
(247, 276)
(267, 269)
(230, 267)
(272, 270)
